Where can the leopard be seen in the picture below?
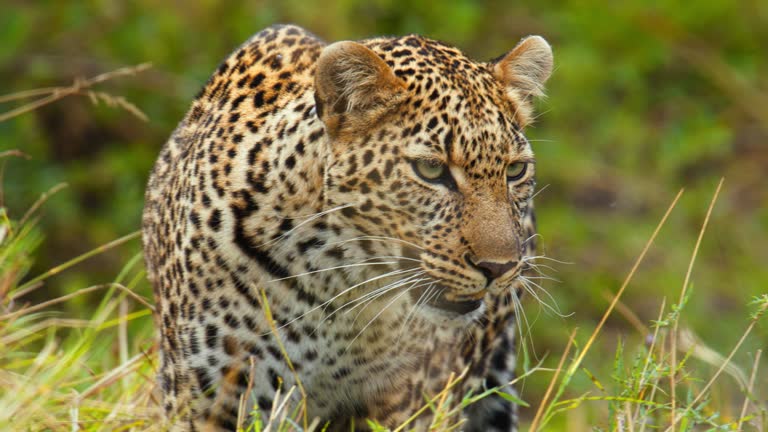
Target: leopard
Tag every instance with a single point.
(354, 220)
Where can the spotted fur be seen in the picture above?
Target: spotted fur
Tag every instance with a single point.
(296, 174)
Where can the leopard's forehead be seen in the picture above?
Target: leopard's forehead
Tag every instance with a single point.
(455, 105)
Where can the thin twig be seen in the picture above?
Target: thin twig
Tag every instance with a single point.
(122, 336)
(40, 201)
(27, 94)
(79, 87)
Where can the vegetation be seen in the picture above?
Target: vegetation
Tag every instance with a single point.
(645, 101)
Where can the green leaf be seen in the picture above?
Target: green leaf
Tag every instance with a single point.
(512, 398)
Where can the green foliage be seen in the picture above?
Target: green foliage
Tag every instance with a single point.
(57, 371)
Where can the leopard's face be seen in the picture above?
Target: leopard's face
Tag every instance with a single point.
(446, 173)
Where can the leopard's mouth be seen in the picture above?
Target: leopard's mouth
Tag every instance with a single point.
(448, 303)
(444, 300)
(458, 307)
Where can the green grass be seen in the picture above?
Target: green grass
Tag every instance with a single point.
(58, 371)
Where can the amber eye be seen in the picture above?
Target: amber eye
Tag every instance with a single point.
(516, 171)
(429, 169)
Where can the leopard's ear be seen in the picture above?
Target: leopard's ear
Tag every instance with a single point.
(523, 71)
(352, 79)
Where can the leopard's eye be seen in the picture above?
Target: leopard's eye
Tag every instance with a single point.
(516, 171)
(429, 169)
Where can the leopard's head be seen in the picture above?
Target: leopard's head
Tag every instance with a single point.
(426, 147)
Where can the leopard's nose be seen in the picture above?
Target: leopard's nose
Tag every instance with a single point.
(492, 270)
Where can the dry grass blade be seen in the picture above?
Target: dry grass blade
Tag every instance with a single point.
(451, 383)
(242, 406)
(628, 417)
(16, 153)
(688, 342)
(648, 358)
(79, 87)
(122, 336)
(115, 101)
(628, 314)
(544, 400)
(273, 327)
(683, 293)
(77, 293)
(749, 389)
(624, 285)
(40, 201)
(111, 377)
(72, 262)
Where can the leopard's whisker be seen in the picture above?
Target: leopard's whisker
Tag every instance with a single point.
(381, 291)
(391, 302)
(521, 317)
(537, 267)
(303, 223)
(420, 282)
(370, 237)
(554, 309)
(535, 257)
(538, 273)
(361, 263)
(376, 293)
(389, 286)
(313, 216)
(345, 291)
(364, 303)
(528, 288)
(543, 277)
(539, 114)
(370, 298)
(429, 294)
(541, 189)
(425, 297)
(530, 238)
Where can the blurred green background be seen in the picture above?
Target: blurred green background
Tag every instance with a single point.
(646, 98)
